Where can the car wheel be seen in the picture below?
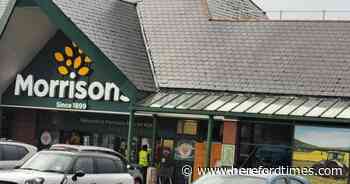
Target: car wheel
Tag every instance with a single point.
(137, 181)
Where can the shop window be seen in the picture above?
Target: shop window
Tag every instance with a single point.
(265, 145)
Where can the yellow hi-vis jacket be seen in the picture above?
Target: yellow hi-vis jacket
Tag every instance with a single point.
(143, 158)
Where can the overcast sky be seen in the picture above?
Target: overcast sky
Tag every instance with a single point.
(303, 4)
(273, 6)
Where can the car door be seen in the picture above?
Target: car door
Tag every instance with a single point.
(111, 171)
(85, 164)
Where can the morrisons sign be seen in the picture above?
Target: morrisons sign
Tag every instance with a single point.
(63, 76)
(68, 89)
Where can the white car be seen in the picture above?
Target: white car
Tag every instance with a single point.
(67, 167)
(133, 169)
(14, 154)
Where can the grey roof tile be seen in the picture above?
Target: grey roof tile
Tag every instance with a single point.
(234, 9)
(114, 27)
(6, 7)
(189, 51)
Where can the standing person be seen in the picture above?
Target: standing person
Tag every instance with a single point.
(144, 161)
(75, 139)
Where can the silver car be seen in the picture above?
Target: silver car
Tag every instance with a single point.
(14, 154)
(133, 169)
(256, 179)
(65, 167)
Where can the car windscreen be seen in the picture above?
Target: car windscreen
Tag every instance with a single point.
(49, 162)
(231, 180)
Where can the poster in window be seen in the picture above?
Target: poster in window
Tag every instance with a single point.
(190, 127)
(168, 146)
(319, 147)
(168, 143)
(185, 150)
(227, 155)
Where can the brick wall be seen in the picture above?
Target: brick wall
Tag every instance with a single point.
(24, 126)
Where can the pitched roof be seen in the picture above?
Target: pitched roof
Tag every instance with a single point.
(234, 9)
(6, 7)
(188, 51)
(113, 26)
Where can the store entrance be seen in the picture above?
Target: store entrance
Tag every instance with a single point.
(267, 145)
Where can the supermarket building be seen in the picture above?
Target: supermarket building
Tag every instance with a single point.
(175, 75)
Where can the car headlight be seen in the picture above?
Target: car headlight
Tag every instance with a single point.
(35, 181)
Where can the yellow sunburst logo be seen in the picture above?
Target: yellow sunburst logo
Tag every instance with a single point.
(72, 62)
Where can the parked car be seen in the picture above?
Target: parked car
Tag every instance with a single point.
(254, 179)
(14, 154)
(133, 169)
(64, 167)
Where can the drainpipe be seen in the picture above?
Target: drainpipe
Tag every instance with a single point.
(130, 134)
(209, 140)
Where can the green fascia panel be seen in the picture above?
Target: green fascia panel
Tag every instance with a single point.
(321, 121)
(44, 66)
(74, 33)
(26, 3)
(6, 14)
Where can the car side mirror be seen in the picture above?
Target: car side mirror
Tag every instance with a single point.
(78, 174)
(130, 167)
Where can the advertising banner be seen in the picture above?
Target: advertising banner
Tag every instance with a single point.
(323, 150)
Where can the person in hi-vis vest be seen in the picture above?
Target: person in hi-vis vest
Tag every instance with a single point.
(144, 160)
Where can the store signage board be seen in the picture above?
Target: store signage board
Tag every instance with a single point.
(62, 76)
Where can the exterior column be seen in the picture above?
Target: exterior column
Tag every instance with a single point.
(209, 140)
(154, 135)
(130, 134)
(1, 126)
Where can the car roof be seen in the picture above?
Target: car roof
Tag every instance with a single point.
(10, 142)
(81, 148)
(77, 153)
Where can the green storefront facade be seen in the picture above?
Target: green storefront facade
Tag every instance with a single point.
(74, 86)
